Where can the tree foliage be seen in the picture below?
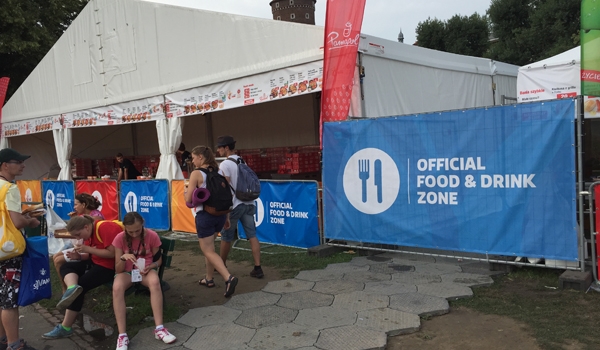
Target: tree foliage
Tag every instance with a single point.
(523, 31)
(531, 30)
(28, 29)
(460, 34)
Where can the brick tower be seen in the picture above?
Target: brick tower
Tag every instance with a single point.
(298, 11)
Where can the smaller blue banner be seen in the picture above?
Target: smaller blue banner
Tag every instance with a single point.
(286, 214)
(150, 198)
(60, 196)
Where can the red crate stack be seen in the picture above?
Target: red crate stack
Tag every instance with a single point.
(103, 166)
(81, 167)
(306, 159)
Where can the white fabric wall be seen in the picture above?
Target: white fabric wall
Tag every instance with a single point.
(398, 88)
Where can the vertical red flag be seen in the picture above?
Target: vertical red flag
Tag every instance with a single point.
(3, 88)
(342, 32)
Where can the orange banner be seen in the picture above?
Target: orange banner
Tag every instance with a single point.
(182, 217)
(31, 191)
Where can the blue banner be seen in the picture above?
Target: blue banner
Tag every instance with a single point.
(150, 198)
(60, 196)
(286, 214)
(499, 180)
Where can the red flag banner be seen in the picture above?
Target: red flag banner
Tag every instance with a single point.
(342, 33)
(3, 88)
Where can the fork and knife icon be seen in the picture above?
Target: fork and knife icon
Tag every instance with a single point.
(364, 172)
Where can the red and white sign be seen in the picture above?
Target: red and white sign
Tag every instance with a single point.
(275, 85)
(105, 192)
(342, 34)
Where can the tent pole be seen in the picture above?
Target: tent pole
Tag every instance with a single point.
(580, 183)
(361, 74)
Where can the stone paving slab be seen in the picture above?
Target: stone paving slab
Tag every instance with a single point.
(251, 300)
(305, 299)
(370, 260)
(346, 267)
(210, 315)
(325, 317)
(266, 316)
(437, 269)
(359, 301)
(468, 279)
(320, 275)
(409, 257)
(419, 304)
(284, 336)
(366, 276)
(450, 291)
(288, 286)
(351, 338)
(389, 287)
(338, 286)
(415, 278)
(391, 268)
(391, 321)
(144, 339)
(220, 337)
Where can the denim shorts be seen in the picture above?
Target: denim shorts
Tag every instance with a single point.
(243, 213)
(207, 224)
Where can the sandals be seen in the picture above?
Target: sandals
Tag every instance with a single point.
(230, 284)
(207, 283)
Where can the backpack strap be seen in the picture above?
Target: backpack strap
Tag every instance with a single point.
(98, 223)
(4, 190)
(237, 161)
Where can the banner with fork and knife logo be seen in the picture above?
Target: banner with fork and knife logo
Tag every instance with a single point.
(494, 180)
(150, 198)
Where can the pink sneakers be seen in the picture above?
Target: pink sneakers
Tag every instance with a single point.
(122, 342)
(164, 335)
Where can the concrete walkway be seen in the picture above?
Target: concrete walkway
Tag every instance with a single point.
(347, 306)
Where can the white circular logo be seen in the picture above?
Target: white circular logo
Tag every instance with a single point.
(98, 196)
(28, 195)
(371, 181)
(259, 212)
(50, 199)
(130, 202)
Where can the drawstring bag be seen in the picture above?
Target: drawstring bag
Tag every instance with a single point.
(35, 273)
(55, 223)
(12, 242)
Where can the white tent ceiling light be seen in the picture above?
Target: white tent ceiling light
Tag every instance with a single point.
(123, 55)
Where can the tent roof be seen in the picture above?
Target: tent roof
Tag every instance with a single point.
(122, 50)
(374, 46)
(572, 56)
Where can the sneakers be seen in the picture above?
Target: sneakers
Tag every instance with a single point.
(69, 297)
(22, 346)
(57, 333)
(164, 335)
(257, 273)
(122, 342)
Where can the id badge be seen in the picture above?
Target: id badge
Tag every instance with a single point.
(136, 276)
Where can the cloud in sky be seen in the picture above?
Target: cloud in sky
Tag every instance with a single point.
(383, 18)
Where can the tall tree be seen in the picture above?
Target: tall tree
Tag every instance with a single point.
(531, 30)
(28, 29)
(466, 35)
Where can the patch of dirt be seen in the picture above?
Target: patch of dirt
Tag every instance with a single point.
(465, 329)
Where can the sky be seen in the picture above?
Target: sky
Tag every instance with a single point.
(383, 18)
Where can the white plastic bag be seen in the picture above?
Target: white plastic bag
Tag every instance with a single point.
(54, 222)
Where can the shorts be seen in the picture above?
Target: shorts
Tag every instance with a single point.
(10, 280)
(245, 214)
(207, 224)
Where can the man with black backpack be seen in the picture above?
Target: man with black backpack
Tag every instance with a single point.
(243, 202)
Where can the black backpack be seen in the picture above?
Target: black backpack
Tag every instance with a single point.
(247, 187)
(220, 200)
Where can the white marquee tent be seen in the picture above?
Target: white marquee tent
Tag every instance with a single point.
(554, 77)
(126, 73)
